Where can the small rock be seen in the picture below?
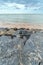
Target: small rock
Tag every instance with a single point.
(15, 29)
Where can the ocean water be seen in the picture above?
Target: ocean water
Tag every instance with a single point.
(22, 18)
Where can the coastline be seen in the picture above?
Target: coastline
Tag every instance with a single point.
(21, 25)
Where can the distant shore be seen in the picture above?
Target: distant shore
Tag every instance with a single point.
(21, 25)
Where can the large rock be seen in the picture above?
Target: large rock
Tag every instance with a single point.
(10, 50)
(22, 51)
(8, 56)
(33, 49)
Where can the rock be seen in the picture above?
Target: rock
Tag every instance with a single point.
(15, 29)
(7, 29)
(20, 32)
(10, 50)
(33, 49)
(8, 56)
(2, 29)
(21, 28)
(23, 33)
(3, 41)
(12, 36)
(27, 29)
(40, 63)
(21, 47)
(36, 30)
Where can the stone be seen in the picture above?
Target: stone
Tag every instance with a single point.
(22, 47)
(10, 50)
(33, 49)
(15, 29)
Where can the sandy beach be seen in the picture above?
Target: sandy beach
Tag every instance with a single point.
(21, 25)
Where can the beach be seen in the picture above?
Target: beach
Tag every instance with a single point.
(21, 25)
(21, 32)
(21, 44)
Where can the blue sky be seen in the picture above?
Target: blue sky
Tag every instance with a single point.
(21, 6)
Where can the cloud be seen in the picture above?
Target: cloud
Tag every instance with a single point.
(22, 6)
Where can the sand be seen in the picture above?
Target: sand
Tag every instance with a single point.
(21, 25)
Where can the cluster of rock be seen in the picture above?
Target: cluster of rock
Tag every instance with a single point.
(21, 46)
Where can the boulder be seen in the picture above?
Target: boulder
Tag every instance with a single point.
(22, 47)
(33, 49)
(10, 50)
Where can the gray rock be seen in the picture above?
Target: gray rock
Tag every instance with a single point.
(10, 50)
(22, 51)
(33, 49)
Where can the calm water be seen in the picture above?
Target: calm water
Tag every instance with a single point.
(15, 18)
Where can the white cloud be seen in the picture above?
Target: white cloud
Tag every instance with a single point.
(33, 8)
(21, 6)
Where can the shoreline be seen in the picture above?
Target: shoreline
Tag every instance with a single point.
(21, 25)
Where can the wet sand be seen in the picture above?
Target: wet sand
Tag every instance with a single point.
(21, 25)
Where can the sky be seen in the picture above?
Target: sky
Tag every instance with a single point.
(21, 6)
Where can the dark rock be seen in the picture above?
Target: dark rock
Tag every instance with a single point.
(20, 32)
(26, 35)
(15, 29)
(0, 35)
(23, 33)
(27, 29)
(8, 34)
(40, 63)
(21, 28)
(12, 36)
(7, 29)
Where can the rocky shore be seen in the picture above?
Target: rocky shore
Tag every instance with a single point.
(21, 46)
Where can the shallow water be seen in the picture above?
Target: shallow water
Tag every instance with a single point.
(19, 18)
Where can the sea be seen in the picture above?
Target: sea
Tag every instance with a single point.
(22, 18)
